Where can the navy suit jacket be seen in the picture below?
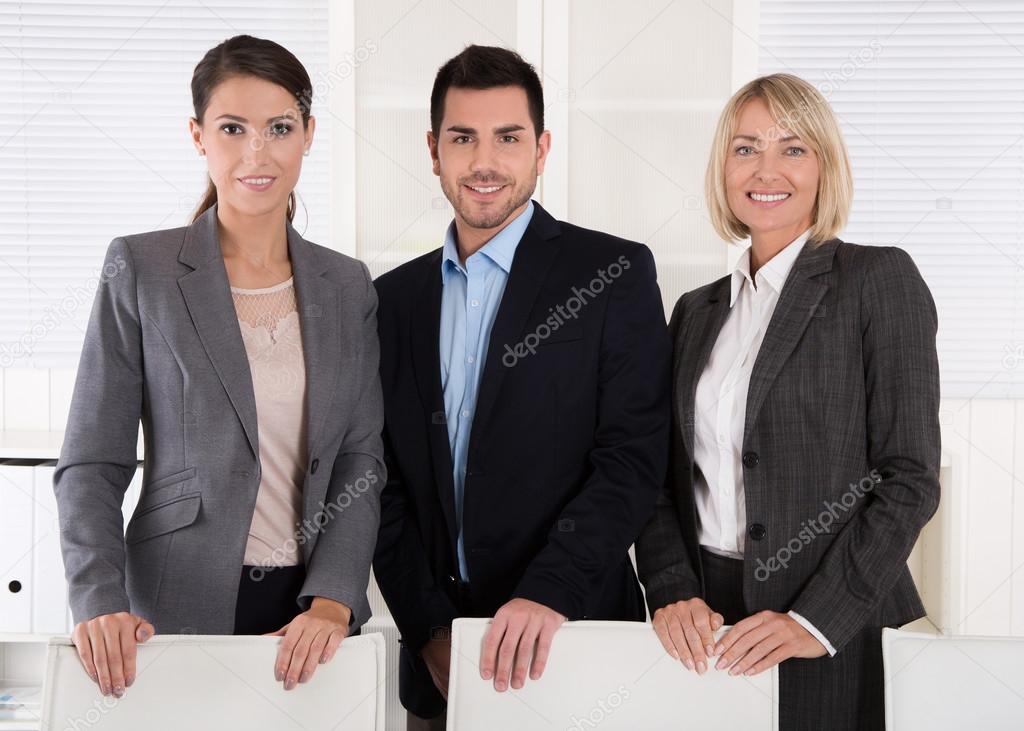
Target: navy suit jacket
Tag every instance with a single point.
(567, 452)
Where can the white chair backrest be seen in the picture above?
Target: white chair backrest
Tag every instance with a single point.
(615, 676)
(218, 682)
(942, 683)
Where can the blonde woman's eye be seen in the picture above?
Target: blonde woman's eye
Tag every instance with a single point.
(744, 150)
(796, 151)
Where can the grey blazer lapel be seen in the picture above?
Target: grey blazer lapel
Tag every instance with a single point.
(319, 303)
(208, 298)
(705, 323)
(798, 303)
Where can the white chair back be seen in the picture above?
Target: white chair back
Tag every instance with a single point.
(615, 676)
(218, 682)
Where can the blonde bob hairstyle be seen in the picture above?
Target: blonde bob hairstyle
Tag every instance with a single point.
(797, 108)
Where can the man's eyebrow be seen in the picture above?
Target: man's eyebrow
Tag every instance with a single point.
(509, 128)
(461, 130)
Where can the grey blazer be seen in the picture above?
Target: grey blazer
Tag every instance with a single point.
(164, 345)
(841, 418)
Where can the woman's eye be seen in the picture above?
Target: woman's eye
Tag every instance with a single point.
(796, 151)
(232, 129)
(744, 150)
(280, 129)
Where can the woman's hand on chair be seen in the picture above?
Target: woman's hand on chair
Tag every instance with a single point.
(310, 639)
(107, 645)
(687, 631)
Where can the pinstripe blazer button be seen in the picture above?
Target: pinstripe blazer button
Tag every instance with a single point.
(313, 466)
(750, 460)
(757, 531)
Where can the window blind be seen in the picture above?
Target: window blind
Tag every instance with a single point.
(94, 144)
(930, 96)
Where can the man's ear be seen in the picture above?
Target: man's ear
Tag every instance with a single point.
(543, 148)
(432, 146)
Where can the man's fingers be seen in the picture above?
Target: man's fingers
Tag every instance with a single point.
(489, 652)
(506, 654)
(524, 654)
(540, 656)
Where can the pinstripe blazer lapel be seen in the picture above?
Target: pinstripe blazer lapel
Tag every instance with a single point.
(801, 295)
(700, 333)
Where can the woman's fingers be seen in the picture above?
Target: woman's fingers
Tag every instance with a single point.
(80, 636)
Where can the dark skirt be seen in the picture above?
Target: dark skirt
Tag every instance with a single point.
(840, 693)
(267, 598)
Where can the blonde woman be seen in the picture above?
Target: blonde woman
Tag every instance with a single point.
(805, 448)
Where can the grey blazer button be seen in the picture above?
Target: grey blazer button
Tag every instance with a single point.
(750, 460)
(757, 531)
(313, 466)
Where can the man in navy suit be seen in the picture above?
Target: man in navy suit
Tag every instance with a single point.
(525, 369)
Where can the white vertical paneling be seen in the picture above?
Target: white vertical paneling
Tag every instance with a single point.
(341, 117)
(559, 96)
(989, 524)
(48, 589)
(27, 399)
(62, 387)
(1017, 528)
(16, 519)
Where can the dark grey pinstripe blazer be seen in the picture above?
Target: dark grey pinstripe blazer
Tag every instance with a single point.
(845, 386)
(164, 345)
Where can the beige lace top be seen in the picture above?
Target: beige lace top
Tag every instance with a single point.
(269, 321)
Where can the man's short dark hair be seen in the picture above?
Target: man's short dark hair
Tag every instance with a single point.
(487, 67)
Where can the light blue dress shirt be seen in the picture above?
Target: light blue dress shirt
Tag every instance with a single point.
(470, 296)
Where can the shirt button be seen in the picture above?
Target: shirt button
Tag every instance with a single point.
(465, 412)
(470, 359)
(475, 303)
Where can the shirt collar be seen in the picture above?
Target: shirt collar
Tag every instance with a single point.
(501, 249)
(773, 273)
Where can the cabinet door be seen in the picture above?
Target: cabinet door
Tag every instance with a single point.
(16, 520)
(49, 589)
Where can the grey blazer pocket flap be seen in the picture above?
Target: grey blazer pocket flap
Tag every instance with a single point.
(164, 517)
(170, 480)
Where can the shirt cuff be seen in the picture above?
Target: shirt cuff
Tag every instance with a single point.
(814, 631)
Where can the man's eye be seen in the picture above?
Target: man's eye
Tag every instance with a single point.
(509, 138)
(461, 139)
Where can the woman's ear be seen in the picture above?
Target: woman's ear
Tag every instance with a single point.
(195, 131)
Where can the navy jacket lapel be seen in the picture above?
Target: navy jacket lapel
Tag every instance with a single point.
(426, 356)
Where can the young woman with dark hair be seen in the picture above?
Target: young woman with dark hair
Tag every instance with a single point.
(250, 356)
